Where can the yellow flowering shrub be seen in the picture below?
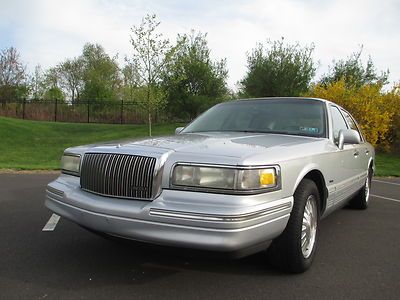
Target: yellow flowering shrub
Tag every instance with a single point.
(367, 104)
(392, 101)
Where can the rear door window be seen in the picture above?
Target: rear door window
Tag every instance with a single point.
(352, 123)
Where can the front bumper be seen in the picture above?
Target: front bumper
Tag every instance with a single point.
(176, 218)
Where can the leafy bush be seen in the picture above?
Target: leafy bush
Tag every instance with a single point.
(393, 105)
(374, 109)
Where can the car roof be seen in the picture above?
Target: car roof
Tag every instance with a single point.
(278, 98)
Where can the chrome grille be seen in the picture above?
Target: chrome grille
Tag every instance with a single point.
(118, 175)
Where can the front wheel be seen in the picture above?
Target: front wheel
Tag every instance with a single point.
(294, 249)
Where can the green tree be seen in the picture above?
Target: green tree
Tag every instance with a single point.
(354, 73)
(131, 81)
(52, 89)
(193, 82)
(151, 55)
(54, 93)
(37, 84)
(71, 77)
(101, 76)
(278, 69)
(12, 76)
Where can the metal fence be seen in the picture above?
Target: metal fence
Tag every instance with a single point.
(115, 112)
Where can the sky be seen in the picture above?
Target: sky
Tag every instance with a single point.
(47, 32)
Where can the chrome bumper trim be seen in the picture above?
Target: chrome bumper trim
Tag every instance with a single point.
(54, 191)
(220, 218)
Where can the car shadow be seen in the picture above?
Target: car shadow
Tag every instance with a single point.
(80, 258)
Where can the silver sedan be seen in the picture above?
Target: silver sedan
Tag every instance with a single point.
(245, 176)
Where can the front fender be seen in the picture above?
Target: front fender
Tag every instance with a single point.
(304, 171)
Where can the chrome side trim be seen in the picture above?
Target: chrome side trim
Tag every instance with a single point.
(220, 218)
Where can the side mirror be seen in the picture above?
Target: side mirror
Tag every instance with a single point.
(348, 136)
(178, 130)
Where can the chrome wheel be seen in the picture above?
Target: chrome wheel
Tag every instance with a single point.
(294, 250)
(367, 189)
(309, 226)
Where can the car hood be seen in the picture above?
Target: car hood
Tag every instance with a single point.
(233, 144)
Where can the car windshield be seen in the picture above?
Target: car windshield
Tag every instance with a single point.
(304, 117)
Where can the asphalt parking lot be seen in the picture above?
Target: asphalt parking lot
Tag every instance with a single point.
(358, 257)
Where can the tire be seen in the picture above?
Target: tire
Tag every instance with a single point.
(361, 200)
(286, 251)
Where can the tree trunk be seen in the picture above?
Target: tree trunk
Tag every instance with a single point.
(149, 124)
(149, 108)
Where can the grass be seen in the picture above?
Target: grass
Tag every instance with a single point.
(387, 165)
(34, 145)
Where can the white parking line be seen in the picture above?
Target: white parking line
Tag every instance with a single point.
(386, 198)
(374, 180)
(51, 223)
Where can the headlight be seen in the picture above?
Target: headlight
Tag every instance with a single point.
(253, 179)
(196, 176)
(226, 178)
(70, 164)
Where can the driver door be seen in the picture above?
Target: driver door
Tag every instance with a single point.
(345, 171)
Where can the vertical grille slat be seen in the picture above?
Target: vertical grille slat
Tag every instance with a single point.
(118, 175)
(128, 175)
(151, 174)
(103, 168)
(122, 176)
(140, 175)
(132, 176)
(107, 174)
(113, 175)
(91, 178)
(110, 176)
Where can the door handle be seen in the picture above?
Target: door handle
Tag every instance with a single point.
(366, 152)
(356, 153)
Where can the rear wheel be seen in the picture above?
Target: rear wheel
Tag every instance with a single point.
(361, 200)
(294, 249)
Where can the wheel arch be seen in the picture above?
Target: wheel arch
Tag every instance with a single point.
(314, 174)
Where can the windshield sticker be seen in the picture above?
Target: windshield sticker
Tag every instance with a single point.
(309, 129)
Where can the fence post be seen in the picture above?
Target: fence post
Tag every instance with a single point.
(88, 111)
(23, 108)
(55, 111)
(122, 111)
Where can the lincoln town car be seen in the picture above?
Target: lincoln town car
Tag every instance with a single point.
(245, 176)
